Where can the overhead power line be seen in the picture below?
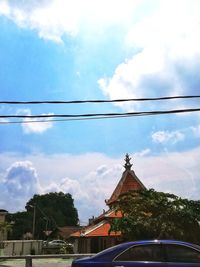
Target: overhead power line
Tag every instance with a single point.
(67, 117)
(99, 101)
(140, 113)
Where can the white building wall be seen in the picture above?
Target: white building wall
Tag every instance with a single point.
(21, 247)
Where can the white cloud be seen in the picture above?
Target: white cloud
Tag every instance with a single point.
(52, 19)
(141, 76)
(166, 136)
(34, 125)
(72, 186)
(196, 131)
(18, 185)
(4, 8)
(166, 56)
(89, 188)
(142, 153)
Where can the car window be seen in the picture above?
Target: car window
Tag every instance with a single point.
(142, 253)
(178, 253)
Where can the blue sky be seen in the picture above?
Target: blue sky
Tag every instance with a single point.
(59, 50)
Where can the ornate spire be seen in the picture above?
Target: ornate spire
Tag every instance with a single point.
(127, 165)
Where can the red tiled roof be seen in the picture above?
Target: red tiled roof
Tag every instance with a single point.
(101, 229)
(115, 214)
(129, 181)
(108, 214)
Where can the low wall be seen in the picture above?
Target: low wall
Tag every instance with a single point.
(20, 247)
(28, 259)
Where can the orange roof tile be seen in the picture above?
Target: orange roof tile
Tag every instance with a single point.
(101, 229)
(129, 181)
(108, 214)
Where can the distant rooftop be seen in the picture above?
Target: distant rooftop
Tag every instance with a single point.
(2, 210)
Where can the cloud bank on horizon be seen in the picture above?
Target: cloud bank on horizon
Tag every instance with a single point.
(91, 49)
(168, 172)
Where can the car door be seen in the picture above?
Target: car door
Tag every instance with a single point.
(150, 255)
(181, 256)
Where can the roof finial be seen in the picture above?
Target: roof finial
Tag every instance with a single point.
(127, 165)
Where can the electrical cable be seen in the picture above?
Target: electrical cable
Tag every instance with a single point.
(67, 117)
(99, 101)
(140, 113)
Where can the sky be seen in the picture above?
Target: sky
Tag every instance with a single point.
(82, 50)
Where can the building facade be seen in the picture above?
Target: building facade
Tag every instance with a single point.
(3, 228)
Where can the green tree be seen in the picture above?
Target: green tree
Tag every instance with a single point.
(5, 228)
(149, 214)
(21, 223)
(44, 212)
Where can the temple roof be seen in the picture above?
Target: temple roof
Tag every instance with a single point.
(100, 229)
(107, 215)
(101, 225)
(129, 181)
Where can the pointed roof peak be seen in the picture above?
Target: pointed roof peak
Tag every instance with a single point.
(129, 181)
(127, 165)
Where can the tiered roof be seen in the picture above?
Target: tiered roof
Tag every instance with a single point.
(101, 226)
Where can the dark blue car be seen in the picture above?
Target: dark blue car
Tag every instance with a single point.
(155, 253)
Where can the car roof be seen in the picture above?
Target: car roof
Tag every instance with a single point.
(114, 251)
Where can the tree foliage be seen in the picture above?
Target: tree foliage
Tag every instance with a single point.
(5, 228)
(21, 223)
(149, 214)
(51, 210)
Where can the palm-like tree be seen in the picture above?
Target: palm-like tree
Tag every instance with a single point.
(5, 228)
